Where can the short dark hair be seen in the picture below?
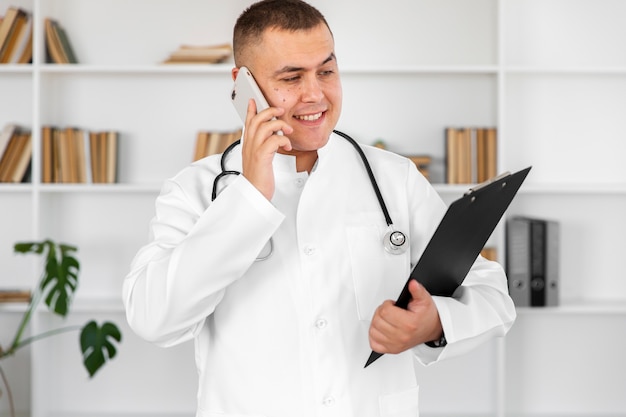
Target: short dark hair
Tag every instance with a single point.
(291, 15)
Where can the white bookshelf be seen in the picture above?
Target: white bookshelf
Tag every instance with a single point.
(550, 74)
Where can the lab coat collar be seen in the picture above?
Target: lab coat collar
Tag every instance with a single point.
(287, 163)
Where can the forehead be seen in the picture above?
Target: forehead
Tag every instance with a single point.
(280, 48)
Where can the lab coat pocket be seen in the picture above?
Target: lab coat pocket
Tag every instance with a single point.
(400, 404)
(377, 274)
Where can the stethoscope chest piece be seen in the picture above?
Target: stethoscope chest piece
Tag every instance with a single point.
(395, 242)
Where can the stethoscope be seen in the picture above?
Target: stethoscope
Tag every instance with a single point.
(394, 241)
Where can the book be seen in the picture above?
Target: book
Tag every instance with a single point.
(47, 158)
(14, 296)
(14, 168)
(18, 22)
(54, 50)
(20, 170)
(24, 51)
(532, 261)
(13, 18)
(68, 51)
(5, 136)
(111, 157)
(58, 47)
(9, 155)
(202, 140)
(199, 54)
(471, 154)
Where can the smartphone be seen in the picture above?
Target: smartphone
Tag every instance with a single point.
(244, 89)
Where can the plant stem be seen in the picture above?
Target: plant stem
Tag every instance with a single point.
(25, 320)
(43, 335)
(9, 394)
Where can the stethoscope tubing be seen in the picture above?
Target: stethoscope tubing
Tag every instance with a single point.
(390, 237)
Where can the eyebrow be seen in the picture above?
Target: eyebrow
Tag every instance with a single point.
(287, 69)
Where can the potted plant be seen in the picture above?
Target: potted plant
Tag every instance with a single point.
(56, 288)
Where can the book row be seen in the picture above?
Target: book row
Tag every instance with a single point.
(16, 149)
(211, 142)
(72, 155)
(471, 154)
(16, 39)
(16, 36)
(16, 43)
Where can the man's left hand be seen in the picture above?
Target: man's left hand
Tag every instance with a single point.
(394, 329)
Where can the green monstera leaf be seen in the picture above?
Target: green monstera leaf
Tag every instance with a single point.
(60, 277)
(57, 286)
(97, 344)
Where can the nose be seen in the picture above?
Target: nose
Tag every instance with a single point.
(311, 90)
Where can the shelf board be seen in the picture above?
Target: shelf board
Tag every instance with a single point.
(225, 68)
(116, 414)
(72, 69)
(539, 70)
(547, 189)
(16, 68)
(574, 188)
(100, 188)
(587, 307)
(569, 308)
(15, 188)
(528, 189)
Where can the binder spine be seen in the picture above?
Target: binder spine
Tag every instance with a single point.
(532, 261)
(518, 261)
(537, 263)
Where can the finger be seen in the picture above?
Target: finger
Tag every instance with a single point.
(417, 290)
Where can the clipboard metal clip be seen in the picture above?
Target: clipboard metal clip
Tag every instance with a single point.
(482, 185)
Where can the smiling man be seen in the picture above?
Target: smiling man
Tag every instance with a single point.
(283, 280)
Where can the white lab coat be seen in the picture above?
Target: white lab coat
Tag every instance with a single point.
(288, 336)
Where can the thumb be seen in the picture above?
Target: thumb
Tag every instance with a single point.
(419, 294)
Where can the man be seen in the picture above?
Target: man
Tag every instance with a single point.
(288, 335)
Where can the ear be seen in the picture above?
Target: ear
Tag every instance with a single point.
(234, 72)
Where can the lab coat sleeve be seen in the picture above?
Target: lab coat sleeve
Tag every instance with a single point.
(194, 253)
(479, 310)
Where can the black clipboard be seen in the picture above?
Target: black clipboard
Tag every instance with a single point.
(460, 236)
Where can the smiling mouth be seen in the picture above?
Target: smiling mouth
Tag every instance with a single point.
(309, 117)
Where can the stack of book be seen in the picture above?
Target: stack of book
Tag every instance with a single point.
(71, 155)
(211, 142)
(15, 154)
(422, 162)
(191, 54)
(58, 47)
(16, 36)
(471, 154)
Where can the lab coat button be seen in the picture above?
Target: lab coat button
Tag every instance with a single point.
(329, 401)
(309, 250)
(299, 183)
(321, 323)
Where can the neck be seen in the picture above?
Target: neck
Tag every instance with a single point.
(305, 160)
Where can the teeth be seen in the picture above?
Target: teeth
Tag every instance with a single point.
(309, 117)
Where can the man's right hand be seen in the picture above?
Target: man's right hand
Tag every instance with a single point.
(260, 144)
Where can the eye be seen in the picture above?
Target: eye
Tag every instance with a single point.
(291, 79)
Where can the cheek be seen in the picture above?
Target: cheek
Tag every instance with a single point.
(281, 98)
